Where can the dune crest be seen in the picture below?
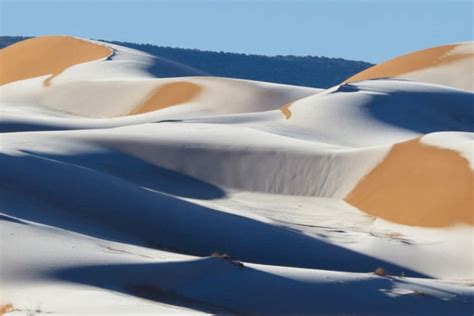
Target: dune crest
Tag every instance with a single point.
(46, 55)
(418, 185)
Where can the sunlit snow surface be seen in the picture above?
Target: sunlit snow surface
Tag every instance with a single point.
(102, 212)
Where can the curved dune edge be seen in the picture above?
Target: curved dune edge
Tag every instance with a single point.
(411, 62)
(168, 94)
(46, 55)
(418, 185)
(286, 110)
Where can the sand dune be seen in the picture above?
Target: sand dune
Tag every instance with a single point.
(118, 184)
(47, 55)
(450, 65)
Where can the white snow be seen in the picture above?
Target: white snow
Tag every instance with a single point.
(107, 213)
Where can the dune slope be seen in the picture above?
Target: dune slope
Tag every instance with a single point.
(125, 193)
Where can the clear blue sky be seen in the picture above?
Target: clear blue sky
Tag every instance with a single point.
(370, 30)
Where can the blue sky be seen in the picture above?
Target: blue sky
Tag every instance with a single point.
(370, 30)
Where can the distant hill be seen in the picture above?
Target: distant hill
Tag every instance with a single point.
(310, 71)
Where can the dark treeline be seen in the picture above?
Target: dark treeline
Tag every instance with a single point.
(311, 71)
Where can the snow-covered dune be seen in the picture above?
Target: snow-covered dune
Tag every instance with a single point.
(105, 80)
(116, 186)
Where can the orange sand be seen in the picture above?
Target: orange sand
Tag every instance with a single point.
(411, 62)
(47, 55)
(168, 95)
(286, 110)
(6, 308)
(418, 185)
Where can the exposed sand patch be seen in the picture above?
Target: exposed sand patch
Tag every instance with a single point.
(286, 110)
(168, 94)
(418, 185)
(47, 55)
(418, 60)
(6, 308)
